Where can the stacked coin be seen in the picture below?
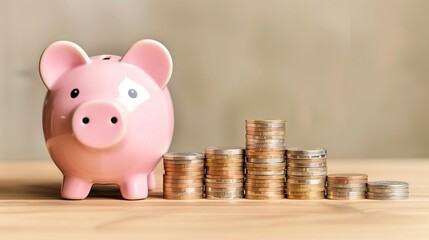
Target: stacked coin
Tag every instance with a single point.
(346, 186)
(183, 177)
(265, 154)
(224, 173)
(306, 173)
(387, 190)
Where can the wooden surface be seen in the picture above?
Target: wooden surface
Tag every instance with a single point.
(31, 208)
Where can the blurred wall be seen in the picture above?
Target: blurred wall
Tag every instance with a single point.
(351, 76)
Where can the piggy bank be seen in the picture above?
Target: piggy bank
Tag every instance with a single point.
(107, 119)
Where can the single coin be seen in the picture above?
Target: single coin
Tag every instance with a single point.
(280, 176)
(265, 145)
(275, 180)
(225, 180)
(183, 181)
(347, 176)
(225, 168)
(345, 194)
(358, 185)
(225, 197)
(391, 194)
(224, 185)
(265, 137)
(306, 174)
(272, 133)
(354, 181)
(196, 169)
(169, 197)
(225, 150)
(183, 162)
(298, 185)
(193, 165)
(265, 129)
(182, 193)
(265, 124)
(270, 173)
(387, 184)
(334, 197)
(259, 193)
(183, 155)
(265, 141)
(265, 121)
(266, 160)
(317, 197)
(346, 189)
(301, 151)
(387, 190)
(264, 165)
(306, 181)
(231, 176)
(307, 169)
(178, 185)
(224, 156)
(183, 177)
(306, 161)
(263, 149)
(263, 197)
(307, 165)
(265, 185)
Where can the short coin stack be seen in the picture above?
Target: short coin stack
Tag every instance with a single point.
(387, 190)
(224, 173)
(346, 186)
(306, 173)
(265, 154)
(183, 177)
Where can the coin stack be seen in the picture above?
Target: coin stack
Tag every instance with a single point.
(306, 173)
(265, 154)
(224, 173)
(387, 190)
(183, 177)
(346, 186)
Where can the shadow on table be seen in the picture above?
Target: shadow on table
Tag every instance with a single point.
(48, 190)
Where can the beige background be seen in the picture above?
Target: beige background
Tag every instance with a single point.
(351, 76)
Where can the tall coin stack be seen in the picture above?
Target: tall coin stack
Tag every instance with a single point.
(387, 190)
(306, 173)
(184, 176)
(265, 159)
(224, 173)
(346, 186)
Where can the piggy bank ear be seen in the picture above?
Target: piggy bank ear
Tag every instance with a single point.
(153, 58)
(58, 58)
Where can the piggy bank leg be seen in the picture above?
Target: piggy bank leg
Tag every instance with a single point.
(134, 187)
(151, 181)
(75, 188)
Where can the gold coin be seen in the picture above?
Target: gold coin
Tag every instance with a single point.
(265, 129)
(278, 180)
(183, 181)
(269, 173)
(333, 197)
(176, 177)
(252, 121)
(192, 165)
(347, 176)
(178, 185)
(224, 197)
(281, 176)
(189, 197)
(263, 197)
(306, 174)
(231, 176)
(265, 165)
(305, 197)
(228, 168)
(225, 180)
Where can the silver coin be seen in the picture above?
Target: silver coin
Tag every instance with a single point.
(306, 174)
(225, 150)
(396, 194)
(301, 156)
(183, 155)
(388, 197)
(300, 151)
(387, 190)
(265, 160)
(258, 173)
(387, 184)
(306, 181)
(307, 165)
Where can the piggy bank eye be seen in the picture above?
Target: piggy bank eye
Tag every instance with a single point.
(132, 93)
(74, 93)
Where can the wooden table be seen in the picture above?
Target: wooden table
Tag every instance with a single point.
(31, 208)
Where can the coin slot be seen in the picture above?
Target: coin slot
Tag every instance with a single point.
(106, 58)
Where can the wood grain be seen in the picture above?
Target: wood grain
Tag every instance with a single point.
(31, 208)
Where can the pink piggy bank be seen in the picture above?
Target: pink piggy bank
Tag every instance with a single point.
(107, 119)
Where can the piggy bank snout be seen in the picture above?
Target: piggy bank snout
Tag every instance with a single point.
(98, 124)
